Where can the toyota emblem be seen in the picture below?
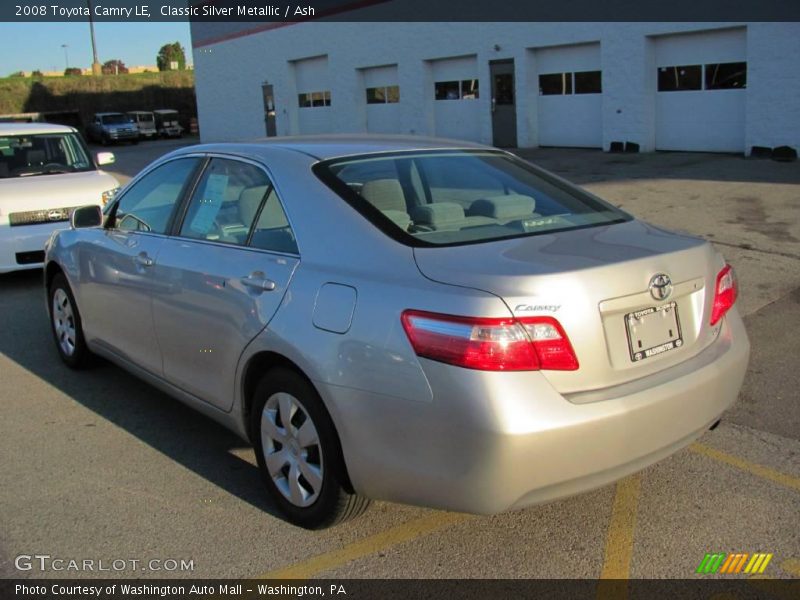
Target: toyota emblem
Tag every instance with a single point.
(660, 286)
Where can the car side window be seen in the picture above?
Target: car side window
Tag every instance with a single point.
(148, 205)
(272, 230)
(226, 202)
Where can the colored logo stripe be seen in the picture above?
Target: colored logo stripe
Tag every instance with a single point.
(711, 563)
(758, 563)
(734, 563)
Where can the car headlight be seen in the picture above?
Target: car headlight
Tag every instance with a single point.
(108, 195)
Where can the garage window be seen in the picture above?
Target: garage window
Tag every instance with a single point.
(680, 79)
(588, 82)
(466, 89)
(389, 94)
(555, 84)
(314, 99)
(560, 84)
(726, 76)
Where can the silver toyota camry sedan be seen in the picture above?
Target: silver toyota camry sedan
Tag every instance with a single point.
(406, 319)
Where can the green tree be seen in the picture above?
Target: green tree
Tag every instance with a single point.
(170, 54)
(114, 67)
(73, 71)
(37, 73)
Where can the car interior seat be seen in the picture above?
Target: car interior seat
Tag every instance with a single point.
(387, 196)
(504, 209)
(272, 232)
(438, 216)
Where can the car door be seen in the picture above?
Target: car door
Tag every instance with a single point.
(227, 268)
(118, 264)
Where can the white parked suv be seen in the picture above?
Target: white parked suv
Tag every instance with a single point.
(45, 172)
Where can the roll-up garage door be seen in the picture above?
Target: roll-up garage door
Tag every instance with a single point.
(382, 95)
(570, 96)
(456, 92)
(701, 81)
(313, 95)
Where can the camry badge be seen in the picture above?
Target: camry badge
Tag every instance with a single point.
(660, 286)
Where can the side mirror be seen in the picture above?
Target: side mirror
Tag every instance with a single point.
(105, 158)
(86, 216)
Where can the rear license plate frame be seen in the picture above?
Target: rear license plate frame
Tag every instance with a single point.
(640, 326)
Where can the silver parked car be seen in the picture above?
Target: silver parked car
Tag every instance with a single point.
(407, 319)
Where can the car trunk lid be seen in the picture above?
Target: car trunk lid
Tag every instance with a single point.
(596, 282)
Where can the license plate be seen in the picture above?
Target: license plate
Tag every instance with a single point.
(653, 331)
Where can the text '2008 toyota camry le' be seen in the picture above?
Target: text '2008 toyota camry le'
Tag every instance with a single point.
(406, 319)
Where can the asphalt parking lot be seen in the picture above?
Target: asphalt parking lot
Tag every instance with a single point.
(98, 465)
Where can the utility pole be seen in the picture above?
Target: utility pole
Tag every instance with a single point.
(96, 68)
(66, 55)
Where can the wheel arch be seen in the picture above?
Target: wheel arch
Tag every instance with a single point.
(50, 271)
(259, 364)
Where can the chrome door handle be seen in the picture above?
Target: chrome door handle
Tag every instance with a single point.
(143, 260)
(259, 283)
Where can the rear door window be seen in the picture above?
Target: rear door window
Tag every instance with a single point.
(235, 203)
(225, 202)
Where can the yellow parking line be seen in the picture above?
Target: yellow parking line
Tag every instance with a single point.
(369, 545)
(619, 540)
(740, 463)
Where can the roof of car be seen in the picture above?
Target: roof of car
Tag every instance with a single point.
(105, 114)
(323, 147)
(33, 128)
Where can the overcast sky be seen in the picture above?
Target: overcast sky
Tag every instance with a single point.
(32, 46)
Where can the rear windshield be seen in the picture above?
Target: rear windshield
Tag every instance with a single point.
(460, 197)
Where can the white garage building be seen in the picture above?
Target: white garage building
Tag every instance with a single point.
(719, 87)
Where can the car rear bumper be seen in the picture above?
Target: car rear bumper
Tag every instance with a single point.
(490, 442)
(20, 247)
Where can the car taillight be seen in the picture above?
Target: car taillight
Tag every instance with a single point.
(500, 344)
(725, 294)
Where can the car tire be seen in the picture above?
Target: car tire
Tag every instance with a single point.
(301, 465)
(66, 324)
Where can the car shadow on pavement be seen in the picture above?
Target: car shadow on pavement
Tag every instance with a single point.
(177, 431)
